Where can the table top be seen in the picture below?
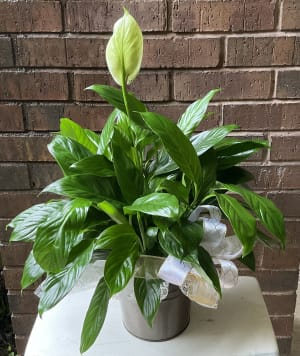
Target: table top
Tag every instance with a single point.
(239, 327)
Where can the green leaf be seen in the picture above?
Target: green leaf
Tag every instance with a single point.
(234, 175)
(129, 175)
(205, 140)
(195, 113)
(266, 211)
(242, 222)
(176, 143)
(268, 241)
(112, 212)
(119, 267)
(232, 152)
(58, 285)
(57, 236)
(115, 97)
(32, 271)
(207, 264)
(249, 261)
(25, 224)
(172, 244)
(96, 165)
(147, 294)
(95, 316)
(86, 186)
(69, 128)
(158, 204)
(106, 135)
(209, 167)
(175, 188)
(66, 152)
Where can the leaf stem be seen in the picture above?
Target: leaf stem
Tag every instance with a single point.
(142, 231)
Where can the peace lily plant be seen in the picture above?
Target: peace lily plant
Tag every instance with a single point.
(129, 192)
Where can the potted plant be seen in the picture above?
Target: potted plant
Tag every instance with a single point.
(143, 187)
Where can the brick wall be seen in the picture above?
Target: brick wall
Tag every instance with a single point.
(51, 50)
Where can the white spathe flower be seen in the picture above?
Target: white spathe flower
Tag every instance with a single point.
(124, 51)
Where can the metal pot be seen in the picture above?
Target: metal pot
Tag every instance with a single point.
(172, 318)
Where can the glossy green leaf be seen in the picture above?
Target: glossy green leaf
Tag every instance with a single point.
(242, 222)
(32, 271)
(158, 204)
(95, 316)
(207, 264)
(95, 165)
(234, 175)
(176, 143)
(195, 113)
(248, 261)
(147, 294)
(205, 140)
(129, 175)
(106, 135)
(115, 97)
(172, 244)
(58, 285)
(85, 186)
(233, 152)
(71, 129)
(66, 152)
(112, 212)
(57, 236)
(25, 224)
(268, 241)
(266, 211)
(113, 234)
(175, 188)
(209, 168)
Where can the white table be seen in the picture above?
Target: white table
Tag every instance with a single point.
(239, 327)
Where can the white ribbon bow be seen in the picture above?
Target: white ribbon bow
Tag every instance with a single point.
(222, 250)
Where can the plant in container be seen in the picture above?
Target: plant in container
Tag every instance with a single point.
(148, 196)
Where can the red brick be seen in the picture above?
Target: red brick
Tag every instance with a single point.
(95, 16)
(283, 326)
(25, 303)
(277, 281)
(13, 276)
(222, 16)
(291, 15)
(14, 176)
(11, 117)
(6, 54)
(293, 233)
(15, 254)
(279, 116)
(23, 323)
(288, 84)
(13, 203)
(190, 85)
(288, 203)
(285, 148)
(42, 174)
(280, 304)
(148, 86)
(30, 16)
(277, 259)
(263, 51)
(40, 52)
(46, 117)
(86, 52)
(181, 52)
(21, 342)
(24, 148)
(275, 177)
(4, 234)
(33, 86)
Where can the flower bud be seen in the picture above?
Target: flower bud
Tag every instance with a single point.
(124, 50)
